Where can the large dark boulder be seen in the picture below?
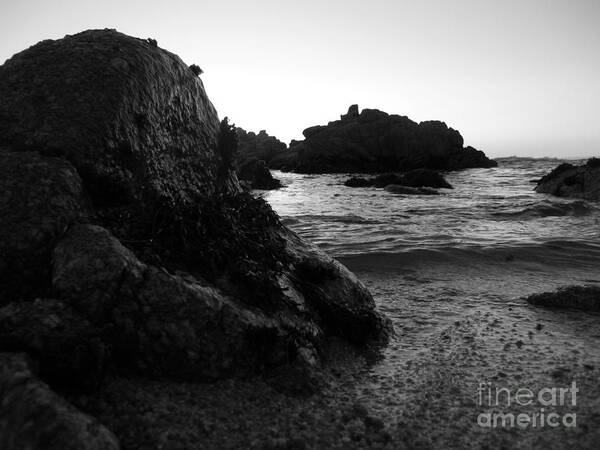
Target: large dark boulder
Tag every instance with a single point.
(165, 325)
(567, 180)
(176, 326)
(119, 192)
(374, 141)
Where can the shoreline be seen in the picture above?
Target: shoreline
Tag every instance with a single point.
(422, 393)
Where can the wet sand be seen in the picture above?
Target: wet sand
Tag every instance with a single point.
(456, 326)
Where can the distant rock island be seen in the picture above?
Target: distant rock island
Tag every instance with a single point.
(568, 180)
(372, 141)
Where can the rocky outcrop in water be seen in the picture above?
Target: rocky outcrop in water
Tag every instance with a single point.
(406, 190)
(413, 178)
(578, 297)
(128, 245)
(568, 180)
(374, 141)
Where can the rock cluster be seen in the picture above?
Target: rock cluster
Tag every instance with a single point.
(128, 246)
(374, 141)
(417, 178)
(568, 180)
(259, 146)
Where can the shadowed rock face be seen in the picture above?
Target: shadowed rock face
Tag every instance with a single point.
(374, 141)
(568, 180)
(166, 325)
(39, 198)
(70, 351)
(118, 192)
(34, 417)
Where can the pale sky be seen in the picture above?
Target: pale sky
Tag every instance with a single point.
(514, 77)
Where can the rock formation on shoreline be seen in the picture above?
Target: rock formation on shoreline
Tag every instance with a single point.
(568, 180)
(255, 152)
(259, 146)
(374, 141)
(264, 147)
(127, 244)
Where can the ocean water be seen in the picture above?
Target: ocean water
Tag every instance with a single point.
(489, 212)
(490, 237)
(451, 272)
